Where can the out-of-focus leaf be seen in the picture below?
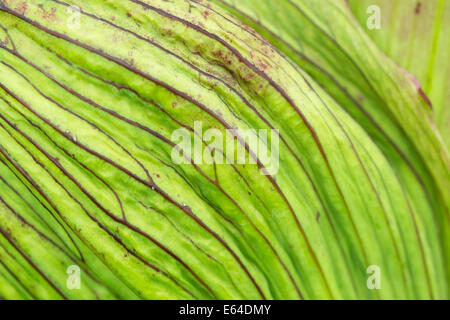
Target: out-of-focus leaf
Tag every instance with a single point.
(325, 39)
(415, 34)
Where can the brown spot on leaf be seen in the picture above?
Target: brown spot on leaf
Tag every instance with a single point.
(217, 53)
(206, 14)
(5, 42)
(263, 65)
(418, 88)
(248, 76)
(22, 7)
(48, 15)
(425, 98)
(418, 8)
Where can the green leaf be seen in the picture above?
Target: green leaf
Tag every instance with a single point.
(414, 34)
(87, 122)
